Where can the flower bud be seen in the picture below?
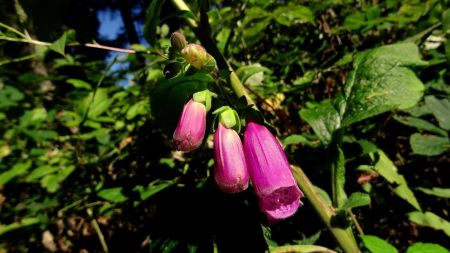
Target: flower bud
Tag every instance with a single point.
(196, 55)
(191, 127)
(231, 174)
(178, 41)
(270, 172)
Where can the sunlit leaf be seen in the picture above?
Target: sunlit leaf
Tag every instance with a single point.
(429, 219)
(377, 245)
(429, 145)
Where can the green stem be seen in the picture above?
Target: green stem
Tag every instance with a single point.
(344, 239)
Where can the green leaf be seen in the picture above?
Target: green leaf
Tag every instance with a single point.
(290, 15)
(17, 170)
(356, 199)
(153, 188)
(381, 81)
(440, 108)
(95, 104)
(429, 219)
(40, 172)
(429, 145)
(139, 108)
(324, 120)
(9, 96)
(152, 20)
(435, 191)
(59, 45)
(300, 249)
(377, 245)
(245, 72)
(52, 182)
(25, 222)
(112, 194)
(386, 168)
(80, 84)
(420, 124)
(420, 247)
(355, 21)
(296, 139)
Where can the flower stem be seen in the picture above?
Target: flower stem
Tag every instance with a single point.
(343, 237)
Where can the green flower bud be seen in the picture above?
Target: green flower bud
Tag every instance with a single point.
(195, 55)
(178, 41)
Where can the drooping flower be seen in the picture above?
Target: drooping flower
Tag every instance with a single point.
(231, 174)
(191, 126)
(270, 173)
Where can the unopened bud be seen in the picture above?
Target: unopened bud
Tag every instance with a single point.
(195, 55)
(178, 41)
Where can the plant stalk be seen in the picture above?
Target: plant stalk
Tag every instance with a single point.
(344, 239)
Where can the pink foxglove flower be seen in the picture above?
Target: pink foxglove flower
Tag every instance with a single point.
(231, 174)
(270, 172)
(191, 127)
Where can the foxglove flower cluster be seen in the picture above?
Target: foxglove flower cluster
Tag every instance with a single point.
(260, 159)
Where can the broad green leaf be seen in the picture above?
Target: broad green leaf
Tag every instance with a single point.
(386, 168)
(420, 247)
(80, 84)
(25, 222)
(429, 145)
(324, 120)
(96, 103)
(169, 96)
(152, 20)
(52, 182)
(440, 108)
(355, 21)
(33, 118)
(9, 96)
(377, 245)
(17, 170)
(381, 81)
(429, 219)
(296, 139)
(41, 171)
(356, 199)
(300, 249)
(137, 109)
(435, 191)
(112, 194)
(420, 124)
(293, 14)
(245, 72)
(153, 188)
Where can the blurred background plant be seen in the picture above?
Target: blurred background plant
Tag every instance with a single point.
(86, 159)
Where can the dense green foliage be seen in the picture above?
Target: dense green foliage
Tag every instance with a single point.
(357, 92)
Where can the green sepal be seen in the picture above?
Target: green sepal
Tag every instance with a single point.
(204, 97)
(229, 118)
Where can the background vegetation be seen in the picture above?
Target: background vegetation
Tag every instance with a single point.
(357, 92)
